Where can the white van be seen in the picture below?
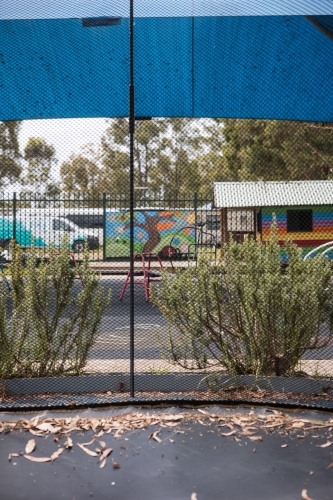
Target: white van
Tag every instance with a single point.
(45, 230)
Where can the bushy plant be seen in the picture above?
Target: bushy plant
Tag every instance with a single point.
(248, 315)
(48, 321)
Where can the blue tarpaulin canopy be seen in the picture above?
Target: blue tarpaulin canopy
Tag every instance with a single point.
(230, 59)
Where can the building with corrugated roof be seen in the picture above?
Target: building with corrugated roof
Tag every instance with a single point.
(303, 210)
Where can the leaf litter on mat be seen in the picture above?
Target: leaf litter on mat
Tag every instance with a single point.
(247, 425)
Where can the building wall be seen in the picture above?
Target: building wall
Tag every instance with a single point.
(322, 226)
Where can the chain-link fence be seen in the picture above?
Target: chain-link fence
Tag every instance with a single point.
(180, 249)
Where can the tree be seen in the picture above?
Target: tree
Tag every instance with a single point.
(10, 168)
(115, 146)
(146, 233)
(277, 150)
(170, 156)
(40, 158)
(80, 175)
(191, 159)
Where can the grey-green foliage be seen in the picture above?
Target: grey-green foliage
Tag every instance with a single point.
(53, 322)
(247, 315)
(10, 168)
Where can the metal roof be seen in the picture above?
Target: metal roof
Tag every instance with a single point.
(272, 194)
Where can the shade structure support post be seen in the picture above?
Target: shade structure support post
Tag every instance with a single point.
(224, 225)
(131, 120)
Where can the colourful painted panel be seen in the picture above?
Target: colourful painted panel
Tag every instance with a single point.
(153, 230)
(322, 226)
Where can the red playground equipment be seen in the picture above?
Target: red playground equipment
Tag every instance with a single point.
(149, 276)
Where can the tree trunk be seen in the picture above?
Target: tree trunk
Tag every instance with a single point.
(154, 235)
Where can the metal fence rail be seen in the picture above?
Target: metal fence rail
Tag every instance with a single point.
(103, 223)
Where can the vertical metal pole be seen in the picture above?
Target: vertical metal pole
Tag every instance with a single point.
(131, 116)
(195, 202)
(104, 227)
(14, 215)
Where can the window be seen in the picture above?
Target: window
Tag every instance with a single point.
(60, 225)
(88, 221)
(213, 222)
(299, 221)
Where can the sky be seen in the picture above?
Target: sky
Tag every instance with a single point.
(67, 136)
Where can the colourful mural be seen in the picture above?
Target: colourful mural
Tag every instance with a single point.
(322, 226)
(153, 230)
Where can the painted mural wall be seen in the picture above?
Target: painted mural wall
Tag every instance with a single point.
(322, 226)
(153, 230)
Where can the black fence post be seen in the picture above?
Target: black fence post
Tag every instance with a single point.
(104, 226)
(195, 202)
(131, 119)
(14, 215)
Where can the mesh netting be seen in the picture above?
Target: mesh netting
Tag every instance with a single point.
(166, 214)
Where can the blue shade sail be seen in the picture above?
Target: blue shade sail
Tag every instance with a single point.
(277, 67)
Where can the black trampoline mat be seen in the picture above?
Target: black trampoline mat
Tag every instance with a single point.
(191, 458)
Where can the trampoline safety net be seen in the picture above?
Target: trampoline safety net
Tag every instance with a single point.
(166, 204)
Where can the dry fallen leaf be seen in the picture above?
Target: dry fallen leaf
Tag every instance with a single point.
(255, 438)
(284, 445)
(115, 464)
(105, 453)
(117, 434)
(173, 417)
(298, 425)
(44, 426)
(36, 433)
(305, 495)
(103, 464)
(201, 422)
(171, 440)
(37, 459)
(326, 445)
(90, 442)
(30, 446)
(100, 434)
(17, 455)
(34, 421)
(194, 496)
(86, 450)
(69, 443)
(154, 436)
(228, 433)
(102, 443)
(330, 465)
(56, 454)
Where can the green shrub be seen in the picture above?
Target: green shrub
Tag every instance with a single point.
(46, 327)
(247, 315)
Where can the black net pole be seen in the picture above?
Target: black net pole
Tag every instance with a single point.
(131, 137)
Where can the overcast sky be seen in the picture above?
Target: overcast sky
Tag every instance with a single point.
(66, 135)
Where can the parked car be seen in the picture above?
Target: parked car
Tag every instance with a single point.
(43, 231)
